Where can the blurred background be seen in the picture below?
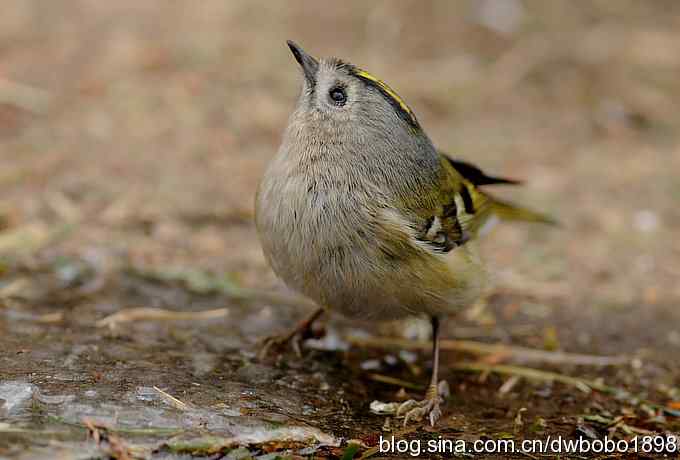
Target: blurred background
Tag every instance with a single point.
(133, 134)
(155, 121)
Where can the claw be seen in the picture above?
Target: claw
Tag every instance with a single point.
(279, 343)
(406, 406)
(435, 414)
(430, 406)
(293, 339)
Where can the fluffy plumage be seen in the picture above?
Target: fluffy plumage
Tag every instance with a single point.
(361, 213)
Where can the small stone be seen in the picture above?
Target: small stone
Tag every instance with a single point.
(391, 360)
(408, 356)
(646, 221)
(13, 395)
(370, 365)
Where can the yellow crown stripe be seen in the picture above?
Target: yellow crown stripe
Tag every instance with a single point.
(389, 91)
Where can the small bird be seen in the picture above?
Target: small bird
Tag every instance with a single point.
(361, 213)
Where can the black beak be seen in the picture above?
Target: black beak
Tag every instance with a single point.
(308, 63)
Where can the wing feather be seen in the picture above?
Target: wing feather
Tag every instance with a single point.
(463, 209)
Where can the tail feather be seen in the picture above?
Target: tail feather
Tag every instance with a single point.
(482, 210)
(508, 211)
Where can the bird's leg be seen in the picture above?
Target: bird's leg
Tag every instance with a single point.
(294, 337)
(436, 392)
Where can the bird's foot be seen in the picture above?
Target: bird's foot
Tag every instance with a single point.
(278, 343)
(430, 406)
(292, 339)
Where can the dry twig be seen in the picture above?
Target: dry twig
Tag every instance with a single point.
(159, 314)
(171, 400)
(514, 353)
(395, 381)
(536, 375)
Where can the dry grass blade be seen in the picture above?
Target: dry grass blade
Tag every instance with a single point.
(25, 97)
(31, 237)
(14, 287)
(23, 315)
(172, 401)
(395, 381)
(159, 314)
(49, 318)
(509, 385)
(536, 375)
(514, 353)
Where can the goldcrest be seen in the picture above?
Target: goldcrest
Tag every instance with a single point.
(360, 212)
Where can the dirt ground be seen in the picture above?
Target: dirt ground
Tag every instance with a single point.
(132, 138)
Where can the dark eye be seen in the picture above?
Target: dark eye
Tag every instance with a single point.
(338, 95)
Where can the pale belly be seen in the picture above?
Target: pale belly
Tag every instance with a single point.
(330, 247)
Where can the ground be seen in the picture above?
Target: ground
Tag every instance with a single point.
(132, 138)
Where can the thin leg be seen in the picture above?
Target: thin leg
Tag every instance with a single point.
(294, 337)
(436, 392)
(435, 351)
